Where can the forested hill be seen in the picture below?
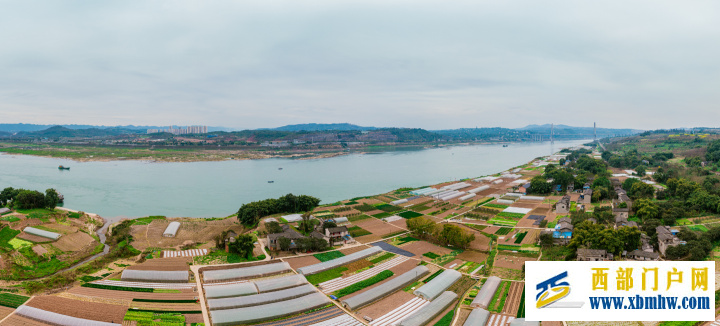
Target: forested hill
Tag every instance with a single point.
(320, 127)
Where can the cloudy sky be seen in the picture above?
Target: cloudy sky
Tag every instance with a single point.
(429, 64)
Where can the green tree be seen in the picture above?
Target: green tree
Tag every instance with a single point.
(455, 236)
(539, 185)
(640, 170)
(243, 245)
(641, 190)
(646, 209)
(29, 199)
(7, 195)
(273, 227)
(51, 198)
(713, 151)
(546, 239)
(630, 236)
(422, 227)
(284, 243)
(307, 223)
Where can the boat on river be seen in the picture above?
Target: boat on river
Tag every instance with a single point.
(63, 167)
(271, 181)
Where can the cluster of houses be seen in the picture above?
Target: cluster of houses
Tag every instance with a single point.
(334, 235)
(621, 208)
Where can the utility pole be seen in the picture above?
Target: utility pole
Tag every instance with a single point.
(595, 132)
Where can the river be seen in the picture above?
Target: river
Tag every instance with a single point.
(212, 189)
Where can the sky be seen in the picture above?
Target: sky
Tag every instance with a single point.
(402, 63)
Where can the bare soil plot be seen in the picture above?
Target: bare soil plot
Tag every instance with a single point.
(164, 264)
(377, 227)
(491, 229)
(402, 223)
(368, 238)
(298, 262)
(525, 222)
(540, 211)
(33, 238)
(80, 309)
(193, 318)
(346, 213)
(74, 242)
(5, 311)
(524, 204)
(512, 302)
(352, 250)
(472, 255)
(197, 230)
(166, 306)
(481, 241)
(420, 247)
(385, 305)
(370, 201)
(373, 212)
(462, 316)
(39, 250)
(415, 201)
(531, 237)
(62, 229)
(454, 263)
(512, 262)
(129, 295)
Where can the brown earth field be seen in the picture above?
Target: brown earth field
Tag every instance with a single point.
(540, 210)
(531, 237)
(62, 229)
(521, 204)
(454, 263)
(80, 309)
(5, 311)
(401, 223)
(102, 293)
(420, 247)
(74, 242)
(163, 264)
(298, 262)
(33, 238)
(39, 250)
(355, 249)
(474, 256)
(462, 316)
(371, 201)
(368, 238)
(385, 305)
(491, 229)
(525, 222)
(481, 241)
(197, 230)
(512, 262)
(376, 226)
(512, 302)
(373, 212)
(193, 318)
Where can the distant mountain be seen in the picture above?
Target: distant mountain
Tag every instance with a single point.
(18, 127)
(320, 127)
(60, 131)
(564, 130)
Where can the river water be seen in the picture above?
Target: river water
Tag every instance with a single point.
(213, 189)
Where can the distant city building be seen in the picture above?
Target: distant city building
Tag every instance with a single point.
(181, 131)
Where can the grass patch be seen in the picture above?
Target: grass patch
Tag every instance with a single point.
(409, 214)
(511, 215)
(388, 208)
(358, 218)
(382, 215)
(147, 220)
(404, 240)
(39, 213)
(556, 253)
(73, 215)
(498, 300)
(434, 275)
(327, 275)
(330, 255)
(501, 206)
(431, 255)
(19, 243)
(149, 318)
(699, 228)
(115, 288)
(7, 234)
(520, 236)
(364, 207)
(382, 257)
(88, 278)
(12, 300)
(356, 231)
(9, 218)
(503, 231)
(502, 221)
(521, 310)
(363, 284)
(447, 319)
(683, 221)
(508, 247)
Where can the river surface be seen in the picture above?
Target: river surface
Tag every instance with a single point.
(212, 189)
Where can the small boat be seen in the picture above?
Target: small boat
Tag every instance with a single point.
(271, 181)
(505, 145)
(63, 167)
(279, 168)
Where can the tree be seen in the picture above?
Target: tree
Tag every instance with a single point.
(713, 151)
(422, 227)
(640, 170)
(641, 190)
(539, 185)
(328, 224)
(306, 225)
(51, 198)
(7, 195)
(546, 239)
(630, 236)
(243, 245)
(455, 236)
(273, 227)
(284, 243)
(29, 199)
(249, 214)
(646, 209)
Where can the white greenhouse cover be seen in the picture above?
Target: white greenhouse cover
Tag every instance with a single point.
(523, 322)
(488, 179)
(42, 233)
(339, 220)
(258, 299)
(478, 189)
(519, 210)
(537, 198)
(505, 201)
(57, 319)
(172, 229)
(425, 314)
(478, 317)
(269, 311)
(132, 275)
(514, 194)
(400, 201)
(384, 289)
(497, 182)
(245, 272)
(451, 196)
(482, 300)
(293, 217)
(229, 290)
(330, 264)
(274, 284)
(438, 285)
(466, 197)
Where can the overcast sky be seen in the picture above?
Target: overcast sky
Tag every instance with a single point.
(428, 64)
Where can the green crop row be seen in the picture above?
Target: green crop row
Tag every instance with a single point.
(363, 284)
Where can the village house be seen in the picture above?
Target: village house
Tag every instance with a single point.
(642, 255)
(288, 232)
(667, 238)
(585, 197)
(645, 240)
(563, 205)
(593, 255)
(562, 233)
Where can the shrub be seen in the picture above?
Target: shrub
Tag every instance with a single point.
(330, 255)
(409, 214)
(356, 231)
(519, 238)
(503, 231)
(431, 255)
(388, 208)
(365, 207)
